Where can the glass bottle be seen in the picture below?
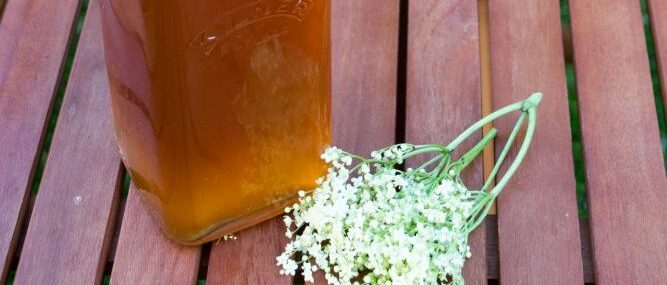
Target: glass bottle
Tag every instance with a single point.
(221, 108)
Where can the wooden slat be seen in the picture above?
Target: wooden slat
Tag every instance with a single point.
(625, 172)
(251, 258)
(364, 54)
(74, 213)
(444, 91)
(492, 248)
(537, 212)
(658, 14)
(145, 255)
(33, 40)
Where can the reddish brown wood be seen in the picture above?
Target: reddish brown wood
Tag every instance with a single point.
(444, 90)
(251, 258)
(73, 216)
(33, 39)
(658, 12)
(488, 156)
(537, 212)
(145, 255)
(626, 179)
(365, 52)
(492, 249)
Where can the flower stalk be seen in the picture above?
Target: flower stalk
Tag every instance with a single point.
(376, 224)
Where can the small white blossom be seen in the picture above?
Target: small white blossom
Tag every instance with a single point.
(385, 225)
(331, 154)
(374, 223)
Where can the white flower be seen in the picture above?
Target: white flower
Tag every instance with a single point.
(331, 154)
(398, 226)
(374, 223)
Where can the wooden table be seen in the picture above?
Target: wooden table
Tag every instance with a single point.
(403, 70)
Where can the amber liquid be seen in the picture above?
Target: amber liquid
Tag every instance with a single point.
(221, 107)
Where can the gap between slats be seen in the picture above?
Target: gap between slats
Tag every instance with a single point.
(2, 9)
(656, 33)
(124, 189)
(47, 133)
(488, 157)
(575, 124)
(402, 70)
(577, 151)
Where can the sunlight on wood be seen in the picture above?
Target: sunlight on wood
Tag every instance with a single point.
(487, 100)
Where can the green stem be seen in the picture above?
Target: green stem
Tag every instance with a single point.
(532, 117)
(482, 206)
(503, 154)
(433, 160)
(480, 218)
(469, 156)
(419, 151)
(442, 166)
(532, 101)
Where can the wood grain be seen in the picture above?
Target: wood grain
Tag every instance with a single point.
(538, 226)
(145, 255)
(658, 14)
(251, 258)
(444, 91)
(626, 179)
(33, 39)
(69, 231)
(364, 54)
(492, 249)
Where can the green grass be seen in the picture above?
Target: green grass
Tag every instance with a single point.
(126, 185)
(575, 125)
(577, 148)
(106, 280)
(10, 277)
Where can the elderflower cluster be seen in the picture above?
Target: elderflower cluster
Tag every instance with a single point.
(373, 224)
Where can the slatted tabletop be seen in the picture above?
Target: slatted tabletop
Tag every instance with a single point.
(417, 71)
